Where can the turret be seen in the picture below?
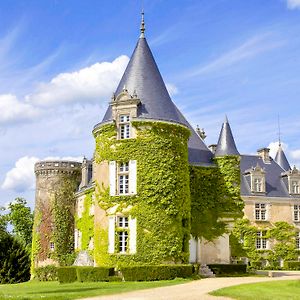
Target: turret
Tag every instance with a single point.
(56, 181)
(281, 159)
(226, 144)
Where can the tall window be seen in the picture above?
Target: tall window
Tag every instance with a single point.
(297, 213)
(258, 185)
(124, 127)
(295, 187)
(298, 240)
(122, 224)
(52, 247)
(123, 178)
(260, 211)
(261, 241)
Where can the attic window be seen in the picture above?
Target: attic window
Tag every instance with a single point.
(295, 187)
(124, 127)
(257, 184)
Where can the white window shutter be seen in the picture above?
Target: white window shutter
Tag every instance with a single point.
(132, 177)
(76, 239)
(111, 234)
(132, 236)
(112, 178)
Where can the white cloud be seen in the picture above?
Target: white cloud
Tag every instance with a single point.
(22, 178)
(293, 4)
(90, 84)
(172, 89)
(295, 154)
(13, 110)
(273, 146)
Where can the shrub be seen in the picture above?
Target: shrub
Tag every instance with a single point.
(47, 273)
(14, 261)
(228, 269)
(292, 265)
(156, 272)
(66, 274)
(85, 274)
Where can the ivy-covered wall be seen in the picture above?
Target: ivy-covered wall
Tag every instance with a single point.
(280, 236)
(85, 224)
(162, 203)
(215, 196)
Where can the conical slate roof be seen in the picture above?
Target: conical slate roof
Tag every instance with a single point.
(226, 144)
(143, 77)
(281, 159)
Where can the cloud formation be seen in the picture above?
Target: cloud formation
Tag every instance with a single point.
(21, 177)
(87, 85)
(13, 110)
(293, 4)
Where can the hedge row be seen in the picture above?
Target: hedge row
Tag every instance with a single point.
(292, 265)
(156, 272)
(47, 273)
(83, 274)
(228, 269)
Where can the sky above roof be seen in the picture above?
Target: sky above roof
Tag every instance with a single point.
(60, 61)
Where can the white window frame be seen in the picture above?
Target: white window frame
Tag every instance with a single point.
(124, 127)
(295, 187)
(296, 212)
(123, 178)
(123, 235)
(297, 240)
(258, 184)
(260, 211)
(261, 242)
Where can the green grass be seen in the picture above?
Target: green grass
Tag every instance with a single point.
(56, 291)
(277, 290)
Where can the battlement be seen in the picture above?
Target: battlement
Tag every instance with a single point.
(48, 167)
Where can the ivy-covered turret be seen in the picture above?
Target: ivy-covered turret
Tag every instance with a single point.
(53, 229)
(141, 171)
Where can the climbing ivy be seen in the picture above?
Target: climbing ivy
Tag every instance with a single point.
(162, 203)
(280, 235)
(215, 196)
(86, 222)
(63, 212)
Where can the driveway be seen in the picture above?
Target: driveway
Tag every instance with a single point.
(193, 290)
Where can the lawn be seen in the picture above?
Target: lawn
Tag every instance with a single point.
(278, 290)
(56, 291)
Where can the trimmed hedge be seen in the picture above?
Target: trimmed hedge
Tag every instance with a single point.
(67, 274)
(84, 274)
(228, 269)
(156, 272)
(292, 265)
(47, 273)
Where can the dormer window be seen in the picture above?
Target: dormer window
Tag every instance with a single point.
(292, 179)
(257, 179)
(124, 127)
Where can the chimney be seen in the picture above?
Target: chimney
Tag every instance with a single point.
(264, 154)
(213, 148)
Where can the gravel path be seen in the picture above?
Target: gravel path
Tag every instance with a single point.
(193, 290)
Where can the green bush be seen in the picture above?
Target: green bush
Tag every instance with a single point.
(292, 265)
(66, 274)
(47, 273)
(14, 260)
(228, 269)
(156, 272)
(86, 274)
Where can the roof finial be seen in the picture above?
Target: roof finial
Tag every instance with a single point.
(279, 133)
(142, 25)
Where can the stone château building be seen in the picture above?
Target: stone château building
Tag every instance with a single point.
(153, 189)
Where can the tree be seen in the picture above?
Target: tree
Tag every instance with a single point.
(21, 217)
(14, 260)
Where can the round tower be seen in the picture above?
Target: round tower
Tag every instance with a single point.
(53, 230)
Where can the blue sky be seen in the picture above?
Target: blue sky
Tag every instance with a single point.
(60, 61)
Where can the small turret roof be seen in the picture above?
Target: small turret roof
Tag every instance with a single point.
(281, 159)
(142, 77)
(226, 144)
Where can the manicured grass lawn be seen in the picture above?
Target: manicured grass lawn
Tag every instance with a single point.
(277, 290)
(56, 291)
